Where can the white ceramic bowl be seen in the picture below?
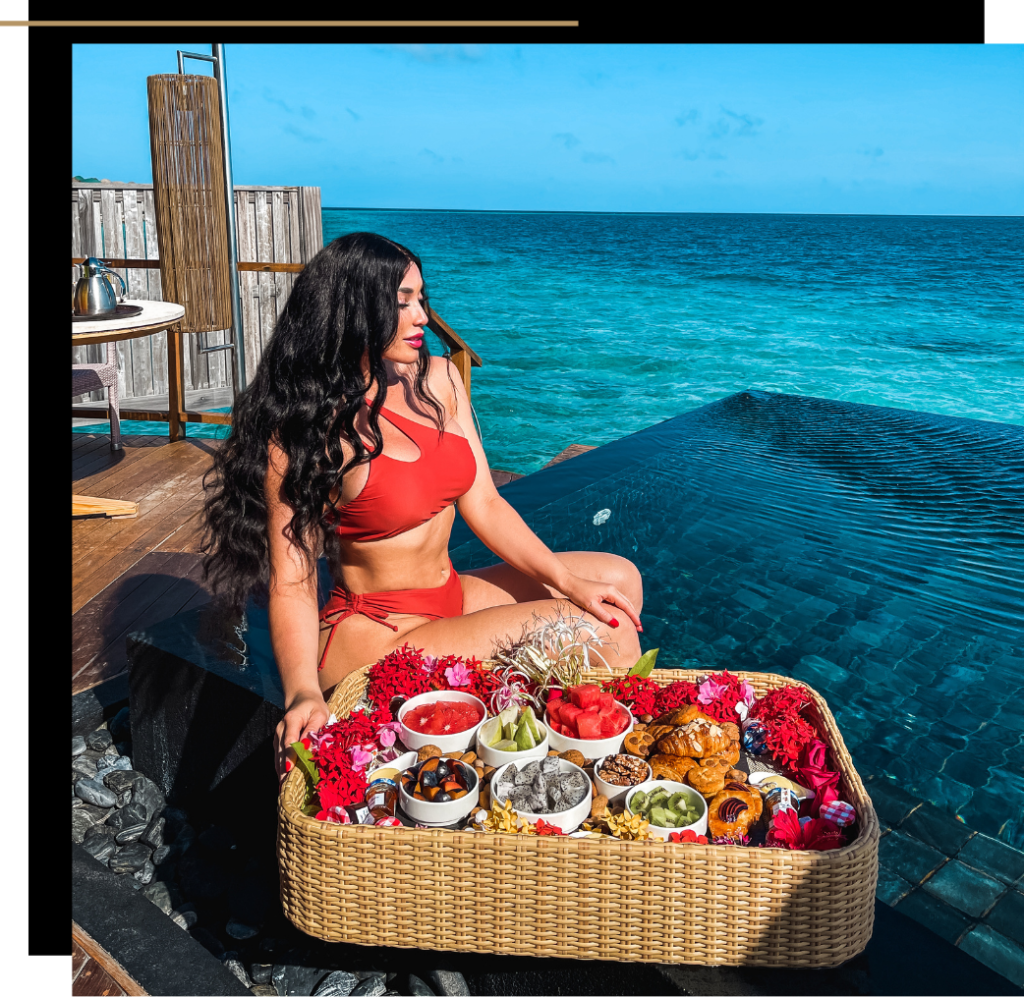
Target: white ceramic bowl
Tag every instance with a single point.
(594, 747)
(568, 820)
(492, 756)
(442, 814)
(446, 742)
(699, 826)
(616, 793)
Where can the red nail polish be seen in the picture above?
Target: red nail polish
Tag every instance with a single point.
(613, 623)
(287, 765)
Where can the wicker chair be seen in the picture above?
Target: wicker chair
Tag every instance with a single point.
(95, 376)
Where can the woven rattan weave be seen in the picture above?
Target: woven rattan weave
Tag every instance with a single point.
(577, 898)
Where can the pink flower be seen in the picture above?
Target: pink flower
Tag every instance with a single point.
(429, 662)
(360, 757)
(748, 693)
(388, 733)
(458, 675)
(710, 690)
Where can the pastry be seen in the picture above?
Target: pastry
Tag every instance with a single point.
(680, 716)
(706, 779)
(659, 730)
(671, 767)
(733, 812)
(698, 738)
(638, 742)
(736, 775)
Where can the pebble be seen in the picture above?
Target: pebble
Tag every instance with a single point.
(264, 990)
(95, 793)
(162, 854)
(145, 875)
(128, 816)
(130, 833)
(84, 768)
(75, 801)
(103, 831)
(77, 746)
(120, 783)
(100, 848)
(240, 930)
(131, 858)
(120, 726)
(262, 971)
(84, 817)
(163, 895)
(293, 975)
(154, 836)
(117, 763)
(185, 916)
(149, 794)
(373, 986)
(448, 982)
(231, 962)
(417, 988)
(99, 740)
(337, 984)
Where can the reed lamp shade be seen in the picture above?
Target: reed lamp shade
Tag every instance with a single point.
(188, 193)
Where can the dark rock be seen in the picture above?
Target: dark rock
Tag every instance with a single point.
(165, 895)
(154, 836)
(130, 833)
(144, 876)
(119, 780)
(337, 984)
(392, 993)
(77, 746)
(208, 941)
(241, 930)
(76, 801)
(99, 740)
(83, 768)
(148, 793)
(200, 878)
(128, 816)
(185, 916)
(294, 974)
(372, 986)
(95, 792)
(231, 962)
(120, 726)
(261, 972)
(131, 858)
(115, 762)
(163, 854)
(447, 982)
(415, 987)
(100, 847)
(217, 839)
(264, 990)
(91, 754)
(102, 831)
(84, 817)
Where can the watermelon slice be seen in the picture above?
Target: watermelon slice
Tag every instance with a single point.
(609, 725)
(623, 721)
(555, 726)
(554, 706)
(588, 696)
(589, 726)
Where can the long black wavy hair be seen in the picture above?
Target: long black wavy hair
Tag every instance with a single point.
(304, 397)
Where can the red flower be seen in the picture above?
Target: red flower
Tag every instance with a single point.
(637, 693)
(403, 672)
(552, 829)
(675, 695)
(816, 835)
(788, 732)
(687, 837)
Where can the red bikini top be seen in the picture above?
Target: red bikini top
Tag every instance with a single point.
(400, 495)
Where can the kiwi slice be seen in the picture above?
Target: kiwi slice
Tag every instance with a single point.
(638, 802)
(658, 816)
(677, 800)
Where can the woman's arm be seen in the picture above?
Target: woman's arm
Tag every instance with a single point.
(502, 529)
(294, 619)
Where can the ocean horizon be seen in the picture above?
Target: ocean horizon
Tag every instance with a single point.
(595, 325)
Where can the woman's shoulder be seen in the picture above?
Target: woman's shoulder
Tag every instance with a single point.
(441, 376)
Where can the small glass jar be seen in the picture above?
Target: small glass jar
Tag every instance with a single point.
(381, 798)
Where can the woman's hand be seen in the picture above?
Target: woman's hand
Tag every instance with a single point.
(597, 598)
(305, 714)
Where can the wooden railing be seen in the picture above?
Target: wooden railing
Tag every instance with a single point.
(463, 356)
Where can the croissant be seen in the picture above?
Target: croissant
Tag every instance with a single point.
(728, 758)
(733, 812)
(659, 730)
(681, 715)
(697, 739)
(671, 767)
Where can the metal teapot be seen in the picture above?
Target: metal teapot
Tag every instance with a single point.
(94, 294)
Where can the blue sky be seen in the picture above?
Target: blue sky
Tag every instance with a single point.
(854, 129)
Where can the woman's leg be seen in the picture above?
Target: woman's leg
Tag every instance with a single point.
(497, 602)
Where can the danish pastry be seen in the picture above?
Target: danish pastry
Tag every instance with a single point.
(671, 767)
(638, 742)
(680, 716)
(733, 812)
(736, 775)
(696, 739)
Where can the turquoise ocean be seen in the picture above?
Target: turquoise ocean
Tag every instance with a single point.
(593, 326)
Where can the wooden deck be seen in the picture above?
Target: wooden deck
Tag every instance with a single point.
(129, 573)
(94, 972)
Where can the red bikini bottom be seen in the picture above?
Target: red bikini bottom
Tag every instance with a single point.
(439, 603)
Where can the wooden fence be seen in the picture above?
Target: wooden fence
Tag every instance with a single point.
(118, 221)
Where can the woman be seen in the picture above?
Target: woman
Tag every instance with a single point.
(353, 441)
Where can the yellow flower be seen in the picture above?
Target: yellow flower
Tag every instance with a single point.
(504, 820)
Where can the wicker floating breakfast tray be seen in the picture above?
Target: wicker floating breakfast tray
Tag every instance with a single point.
(580, 898)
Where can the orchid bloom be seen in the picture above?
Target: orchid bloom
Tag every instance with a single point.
(429, 662)
(388, 732)
(360, 757)
(710, 690)
(458, 675)
(748, 693)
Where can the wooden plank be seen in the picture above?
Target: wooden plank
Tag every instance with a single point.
(122, 982)
(87, 505)
(95, 981)
(188, 538)
(100, 459)
(573, 450)
(90, 227)
(113, 245)
(264, 251)
(158, 341)
(310, 223)
(451, 338)
(280, 250)
(139, 350)
(79, 958)
(247, 281)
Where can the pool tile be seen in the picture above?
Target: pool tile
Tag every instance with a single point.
(966, 767)
(995, 951)
(964, 888)
(993, 857)
(1007, 917)
(892, 888)
(908, 857)
(934, 914)
(936, 828)
(891, 803)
